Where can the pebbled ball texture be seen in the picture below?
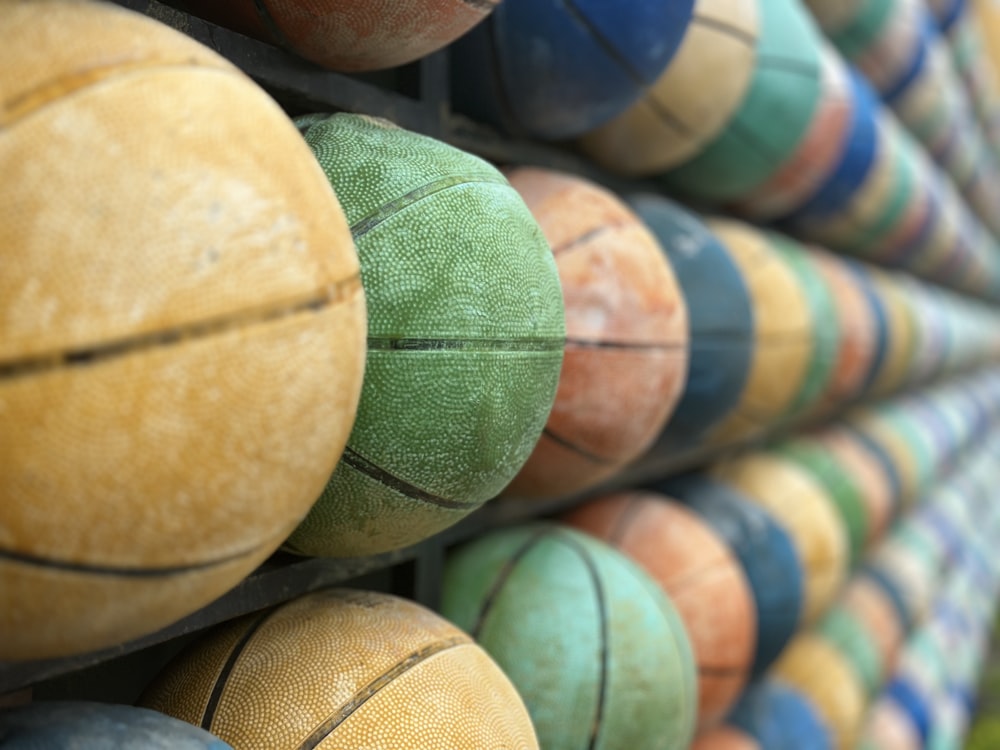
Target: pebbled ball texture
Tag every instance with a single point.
(350, 35)
(344, 668)
(596, 649)
(465, 337)
(181, 327)
(626, 335)
(62, 725)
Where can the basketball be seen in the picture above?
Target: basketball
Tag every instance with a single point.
(782, 325)
(566, 615)
(679, 113)
(780, 717)
(845, 632)
(344, 668)
(63, 725)
(724, 738)
(888, 727)
(804, 509)
(181, 325)
(626, 355)
(465, 337)
(773, 116)
(350, 35)
(700, 574)
(826, 679)
(764, 549)
(550, 69)
(720, 319)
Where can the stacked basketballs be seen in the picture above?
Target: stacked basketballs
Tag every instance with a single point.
(226, 331)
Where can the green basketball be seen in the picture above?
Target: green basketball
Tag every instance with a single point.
(465, 336)
(593, 645)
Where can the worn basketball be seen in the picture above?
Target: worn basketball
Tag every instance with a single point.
(845, 494)
(343, 668)
(772, 118)
(592, 643)
(804, 509)
(465, 336)
(181, 327)
(350, 35)
(763, 548)
(554, 69)
(720, 319)
(701, 575)
(679, 114)
(65, 725)
(626, 354)
(783, 345)
(826, 679)
(780, 717)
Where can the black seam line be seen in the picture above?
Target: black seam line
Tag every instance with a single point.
(356, 701)
(389, 343)
(503, 575)
(215, 696)
(667, 116)
(88, 355)
(486, 5)
(627, 345)
(760, 146)
(602, 610)
(728, 29)
(359, 463)
(569, 444)
(789, 65)
(272, 27)
(583, 239)
(605, 44)
(116, 571)
(386, 211)
(97, 75)
(624, 520)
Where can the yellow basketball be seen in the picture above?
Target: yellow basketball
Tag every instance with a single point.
(782, 321)
(344, 669)
(181, 327)
(802, 507)
(692, 101)
(824, 676)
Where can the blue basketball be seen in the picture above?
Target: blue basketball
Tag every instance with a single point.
(913, 702)
(720, 317)
(764, 550)
(72, 726)
(557, 68)
(780, 718)
(856, 159)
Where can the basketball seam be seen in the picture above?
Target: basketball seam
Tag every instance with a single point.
(603, 629)
(333, 295)
(590, 234)
(271, 24)
(122, 572)
(579, 450)
(624, 521)
(737, 33)
(484, 5)
(605, 44)
(215, 696)
(372, 470)
(414, 344)
(393, 207)
(629, 346)
(362, 696)
(54, 91)
(502, 576)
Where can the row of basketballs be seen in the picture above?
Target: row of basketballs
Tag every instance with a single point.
(685, 91)
(893, 664)
(184, 363)
(628, 623)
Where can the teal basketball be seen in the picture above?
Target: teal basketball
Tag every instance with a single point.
(465, 336)
(593, 645)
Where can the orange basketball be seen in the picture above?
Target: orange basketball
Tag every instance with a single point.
(702, 578)
(725, 738)
(626, 352)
